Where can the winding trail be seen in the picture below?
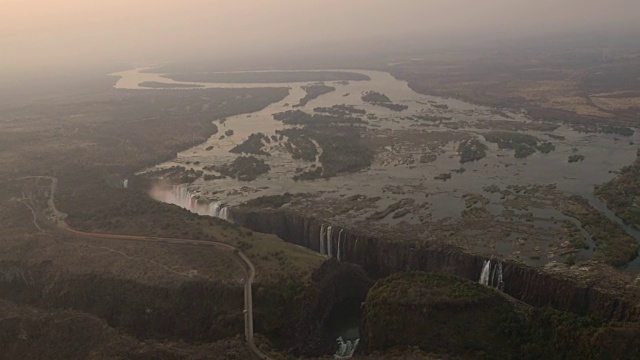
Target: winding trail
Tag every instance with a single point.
(249, 269)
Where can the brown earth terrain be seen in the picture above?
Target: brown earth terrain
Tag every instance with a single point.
(126, 292)
(572, 85)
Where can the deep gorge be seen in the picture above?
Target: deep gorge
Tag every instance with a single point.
(381, 257)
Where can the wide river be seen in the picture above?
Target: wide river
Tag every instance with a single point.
(604, 153)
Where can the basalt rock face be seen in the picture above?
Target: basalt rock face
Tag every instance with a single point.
(381, 257)
(331, 284)
(545, 288)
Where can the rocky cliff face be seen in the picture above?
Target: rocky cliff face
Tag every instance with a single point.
(380, 257)
(331, 285)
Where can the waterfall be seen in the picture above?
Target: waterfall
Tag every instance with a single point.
(125, 183)
(323, 235)
(219, 210)
(181, 196)
(484, 275)
(345, 350)
(339, 242)
(491, 277)
(184, 198)
(329, 238)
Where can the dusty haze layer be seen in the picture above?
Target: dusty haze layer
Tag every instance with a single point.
(43, 34)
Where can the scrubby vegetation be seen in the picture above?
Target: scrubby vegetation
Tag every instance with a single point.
(253, 145)
(271, 201)
(604, 129)
(443, 176)
(622, 194)
(378, 99)
(243, 168)
(313, 92)
(177, 174)
(342, 147)
(342, 150)
(575, 158)
(546, 147)
(340, 110)
(472, 150)
(524, 145)
(523, 151)
(428, 158)
(373, 97)
(613, 245)
(618, 130)
(299, 117)
(299, 145)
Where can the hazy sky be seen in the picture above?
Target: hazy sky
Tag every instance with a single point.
(38, 32)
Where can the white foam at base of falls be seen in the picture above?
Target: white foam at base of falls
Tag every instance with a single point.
(346, 349)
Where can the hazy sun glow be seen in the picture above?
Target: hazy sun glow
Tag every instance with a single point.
(36, 33)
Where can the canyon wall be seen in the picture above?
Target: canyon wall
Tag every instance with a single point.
(380, 257)
(333, 283)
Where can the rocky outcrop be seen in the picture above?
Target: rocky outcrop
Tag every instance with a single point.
(380, 257)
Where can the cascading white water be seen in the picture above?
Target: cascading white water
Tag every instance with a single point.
(181, 196)
(184, 198)
(125, 183)
(484, 274)
(491, 276)
(323, 234)
(346, 349)
(219, 210)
